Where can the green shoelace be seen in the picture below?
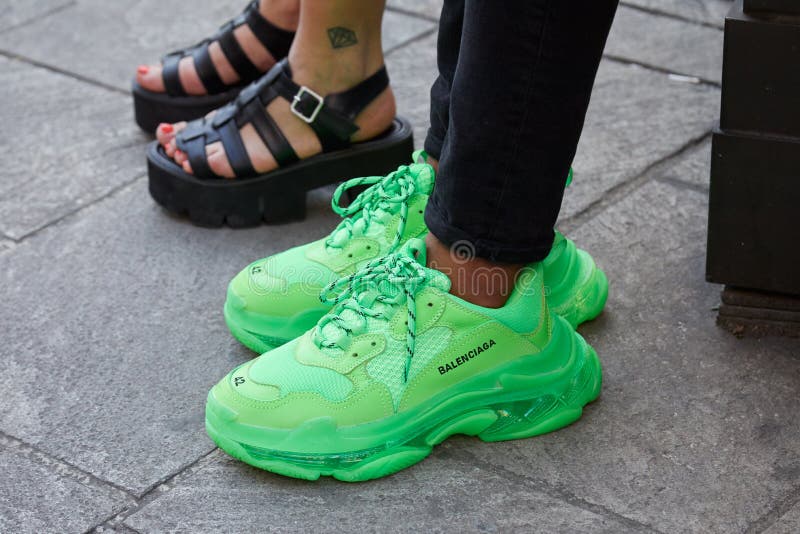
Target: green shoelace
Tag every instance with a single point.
(387, 195)
(387, 280)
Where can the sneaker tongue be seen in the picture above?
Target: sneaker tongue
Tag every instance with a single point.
(416, 249)
(423, 175)
(413, 249)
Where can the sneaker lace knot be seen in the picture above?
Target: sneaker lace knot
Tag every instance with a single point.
(372, 292)
(387, 196)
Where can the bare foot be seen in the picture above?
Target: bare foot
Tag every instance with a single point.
(281, 13)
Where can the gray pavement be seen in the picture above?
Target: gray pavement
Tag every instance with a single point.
(112, 332)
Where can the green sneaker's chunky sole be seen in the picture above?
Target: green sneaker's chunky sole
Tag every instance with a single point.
(526, 397)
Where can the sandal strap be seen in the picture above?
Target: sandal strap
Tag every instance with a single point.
(195, 149)
(331, 118)
(236, 56)
(235, 150)
(207, 71)
(276, 40)
(270, 134)
(170, 75)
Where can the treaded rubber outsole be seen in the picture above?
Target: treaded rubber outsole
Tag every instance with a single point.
(543, 413)
(151, 109)
(277, 196)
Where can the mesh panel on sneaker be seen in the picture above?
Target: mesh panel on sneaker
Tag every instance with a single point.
(387, 367)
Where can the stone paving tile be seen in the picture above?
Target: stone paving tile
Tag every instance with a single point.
(789, 523)
(695, 430)
(633, 121)
(113, 332)
(38, 494)
(670, 44)
(693, 167)
(703, 11)
(118, 529)
(68, 143)
(707, 11)
(412, 70)
(399, 28)
(19, 12)
(443, 494)
(105, 41)
(428, 8)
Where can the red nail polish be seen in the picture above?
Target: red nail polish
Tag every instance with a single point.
(178, 153)
(142, 69)
(166, 127)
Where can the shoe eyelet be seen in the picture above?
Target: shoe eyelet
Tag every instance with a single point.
(349, 255)
(430, 304)
(373, 343)
(355, 355)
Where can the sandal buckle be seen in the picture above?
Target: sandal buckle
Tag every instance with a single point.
(297, 100)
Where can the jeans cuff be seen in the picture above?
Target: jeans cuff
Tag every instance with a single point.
(466, 243)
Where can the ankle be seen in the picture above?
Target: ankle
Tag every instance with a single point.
(333, 75)
(329, 73)
(335, 58)
(476, 280)
(285, 14)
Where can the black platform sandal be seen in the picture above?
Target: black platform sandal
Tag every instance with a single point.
(151, 108)
(278, 195)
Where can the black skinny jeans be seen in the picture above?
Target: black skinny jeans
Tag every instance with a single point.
(507, 109)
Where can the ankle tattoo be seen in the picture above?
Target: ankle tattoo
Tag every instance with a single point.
(342, 37)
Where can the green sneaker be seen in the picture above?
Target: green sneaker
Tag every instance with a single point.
(275, 299)
(397, 366)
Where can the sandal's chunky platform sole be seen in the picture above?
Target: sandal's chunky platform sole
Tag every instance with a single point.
(151, 109)
(279, 195)
(516, 400)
